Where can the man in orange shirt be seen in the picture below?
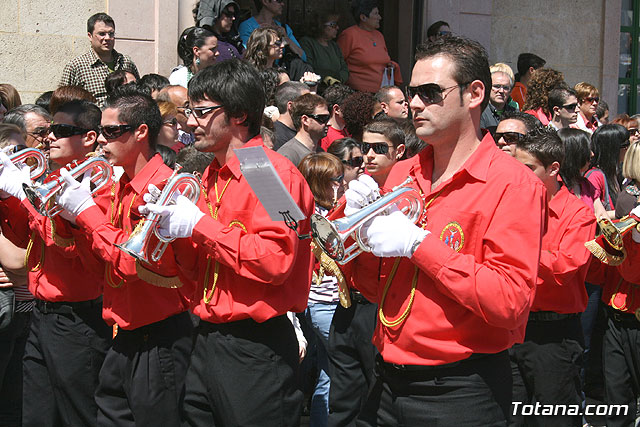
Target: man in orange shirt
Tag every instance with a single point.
(250, 270)
(143, 373)
(546, 367)
(458, 295)
(528, 63)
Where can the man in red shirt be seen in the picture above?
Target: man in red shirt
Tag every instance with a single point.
(546, 366)
(335, 96)
(458, 294)
(144, 371)
(250, 270)
(68, 339)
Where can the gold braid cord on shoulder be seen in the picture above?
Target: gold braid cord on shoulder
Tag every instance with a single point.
(328, 265)
(157, 279)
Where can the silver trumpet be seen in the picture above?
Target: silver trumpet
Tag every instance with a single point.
(139, 243)
(41, 194)
(38, 165)
(331, 236)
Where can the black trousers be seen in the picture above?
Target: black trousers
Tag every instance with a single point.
(12, 342)
(621, 359)
(546, 369)
(143, 374)
(243, 373)
(351, 360)
(65, 349)
(473, 392)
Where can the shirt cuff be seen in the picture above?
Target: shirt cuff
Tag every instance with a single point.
(91, 218)
(431, 255)
(206, 230)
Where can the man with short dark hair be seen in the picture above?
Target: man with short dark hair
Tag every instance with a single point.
(285, 94)
(250, 269)
(453, 295)
(34, 120)
(528, 63)
(546, 366)
(513, 126)
(335, 96)
(90, 70)
(393, 103)
(563, 106)
(310, 115)
(143, 374)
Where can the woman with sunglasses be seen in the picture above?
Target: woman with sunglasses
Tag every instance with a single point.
(325, 175)
(219, 17)
(631, 124)
(588, 98)
(323, 53)
(198, 48)
(348, 151)
(168, 135)
(265, 47)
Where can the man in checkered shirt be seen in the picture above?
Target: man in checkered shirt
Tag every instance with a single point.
(92, 68)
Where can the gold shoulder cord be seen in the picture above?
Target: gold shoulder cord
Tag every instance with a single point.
(208, 294)
(28, 253)
(414, 283)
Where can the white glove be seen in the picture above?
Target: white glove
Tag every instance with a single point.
(177, 220)
(76, 196)
(12, 178)
(394, 235)
(361, 192)
(152, 195)
(635, 234)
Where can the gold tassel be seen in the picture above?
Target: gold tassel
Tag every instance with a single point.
(332, 268)
(156, 279)
(605, 257)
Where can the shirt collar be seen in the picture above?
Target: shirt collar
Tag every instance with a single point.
(141, 181)
(95, 59)
(233, 164)
(557, 202)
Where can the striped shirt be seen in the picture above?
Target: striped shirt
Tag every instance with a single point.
(324, 290)
(90, 72)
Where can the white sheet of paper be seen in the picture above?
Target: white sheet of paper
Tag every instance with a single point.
(266, 184)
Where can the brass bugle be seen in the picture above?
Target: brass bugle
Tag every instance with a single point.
(139, 243)
(37, 167)
(608, 246)
(331, 236)
(39, 195)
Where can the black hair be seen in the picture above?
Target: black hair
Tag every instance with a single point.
(190, 37)
(154, 81)
(413, 144)
(432, 31)
(84, 114)
(167, 154)
(388, 128)
(382, 95)
(115, 80)
(558, 96)
(44, 99)
(343, 147)
(606, 143)
(287, 92)
(99, 17)
(270, 78)
(136, 107)
(544, 144)
(530, 122)
(577, 153)
(234, 84)
(305, 105)
(16, 115)
(336, 94)
(527, 60)
(362, 7)
(193, 160)
(469, 57)
(600, 109)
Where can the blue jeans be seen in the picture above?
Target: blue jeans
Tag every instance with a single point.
(319, 316)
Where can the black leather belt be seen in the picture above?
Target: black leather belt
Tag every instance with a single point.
(63, 307)
(550, 316)
(628, 319)
(358, 297)
(465, 365)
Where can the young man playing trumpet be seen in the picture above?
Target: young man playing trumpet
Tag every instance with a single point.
(68, 339)
(143, 373)
(250, 270)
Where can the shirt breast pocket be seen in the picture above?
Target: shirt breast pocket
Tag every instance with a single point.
(457, 229)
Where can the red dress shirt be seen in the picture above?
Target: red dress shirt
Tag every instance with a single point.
(475, 273)
(60, 264)
(564, 260)
(136, 294)
(260, 268)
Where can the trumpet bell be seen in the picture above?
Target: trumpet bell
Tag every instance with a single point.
(38, 196)
(327, 237)
(137, 245)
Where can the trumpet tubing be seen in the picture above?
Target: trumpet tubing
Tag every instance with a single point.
(39, 195)
(38, 163)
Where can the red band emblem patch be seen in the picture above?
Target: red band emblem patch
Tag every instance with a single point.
(453, 236)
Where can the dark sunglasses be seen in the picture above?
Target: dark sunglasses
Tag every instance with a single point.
(592, 99)
(279, 43)
(354, 162)
(65, 131)
(200, 112)
(320, 118)
(114, 131)
(338, 178)
(429, 93)
(570, 107)
(377, 147)
(40, 132)
(509, 137)
(633, 131)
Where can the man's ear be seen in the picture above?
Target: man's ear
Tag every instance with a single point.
(554, 169)
(476, 90)
(142, 133)
(90, 138)
(239, 119)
